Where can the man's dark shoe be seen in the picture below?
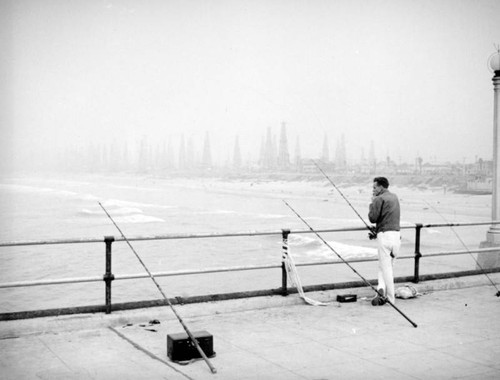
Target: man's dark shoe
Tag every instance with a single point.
(378, 301)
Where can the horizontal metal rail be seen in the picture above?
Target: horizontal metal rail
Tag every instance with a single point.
(234, 234)
(467, 224)
(224, 296)
(72, 280)
(451, 253)
(170, 237)
(49, 242)
(136, 276)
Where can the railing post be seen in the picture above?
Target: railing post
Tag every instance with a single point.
(108, 276)
(284, 286)
(418, 255)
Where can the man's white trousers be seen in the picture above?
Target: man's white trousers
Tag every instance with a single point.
(388, 243)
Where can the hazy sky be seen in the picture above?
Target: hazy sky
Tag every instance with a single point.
(410, 75)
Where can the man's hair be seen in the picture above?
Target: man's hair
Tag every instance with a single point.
(382, 181)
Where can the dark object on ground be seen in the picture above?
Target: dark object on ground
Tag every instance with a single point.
(378, 301)
(180, 347)
(347, 298)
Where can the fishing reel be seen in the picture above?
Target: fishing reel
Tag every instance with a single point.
(372, 235)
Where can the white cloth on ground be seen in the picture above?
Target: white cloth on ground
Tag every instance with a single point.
(293, 275)
(407, 291)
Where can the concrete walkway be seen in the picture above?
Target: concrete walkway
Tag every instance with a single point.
(458, 337)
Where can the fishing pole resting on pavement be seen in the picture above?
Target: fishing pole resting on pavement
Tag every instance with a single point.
(347, 263)
(465, 246)
(191, 336)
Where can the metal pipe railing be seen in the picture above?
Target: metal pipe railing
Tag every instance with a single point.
(73, 280)
(109, 277)
(172, 237)
(234, 234)
(138, 276)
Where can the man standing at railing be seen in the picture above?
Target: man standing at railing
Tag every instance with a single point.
(385, 213)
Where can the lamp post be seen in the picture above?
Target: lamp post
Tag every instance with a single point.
(493, 235)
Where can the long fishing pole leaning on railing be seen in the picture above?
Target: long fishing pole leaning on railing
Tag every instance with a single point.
(191, 336)
(349, 265)
(372, 235)
(466, 248)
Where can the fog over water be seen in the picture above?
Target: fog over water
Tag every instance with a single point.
(409, 76)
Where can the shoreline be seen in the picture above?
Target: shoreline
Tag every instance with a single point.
(443, 182)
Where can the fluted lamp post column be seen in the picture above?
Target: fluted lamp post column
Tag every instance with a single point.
(489, 260)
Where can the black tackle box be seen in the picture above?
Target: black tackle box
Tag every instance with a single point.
(180, 347)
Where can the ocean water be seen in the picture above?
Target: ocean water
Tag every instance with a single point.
(66, 207)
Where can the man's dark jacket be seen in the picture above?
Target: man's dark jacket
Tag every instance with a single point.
(385, 212)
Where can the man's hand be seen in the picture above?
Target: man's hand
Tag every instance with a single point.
(372, 234)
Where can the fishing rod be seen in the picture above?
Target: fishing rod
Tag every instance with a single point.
(349, 265)
(191, 336)
(371, 229)
(465, 246)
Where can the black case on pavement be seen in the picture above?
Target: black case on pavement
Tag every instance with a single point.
(347, 298)
(180, 347)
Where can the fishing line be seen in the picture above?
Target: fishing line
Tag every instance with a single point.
(465, 246)
(193, 339)
(349, 265)
(343, 196)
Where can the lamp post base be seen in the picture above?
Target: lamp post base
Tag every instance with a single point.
(490, 259)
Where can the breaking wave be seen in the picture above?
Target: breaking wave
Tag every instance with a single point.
(46, 190)
(123, 212)
(120, 203)
(313, 248)
(138, 218)
(117, 211)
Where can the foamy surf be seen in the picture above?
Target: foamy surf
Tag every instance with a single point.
(313, 248)
(432, 231)
(303, 240)
(122, 212)
(347, 251)
(121, 203)
(116, 211)
(47, 190)
(138, 218)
